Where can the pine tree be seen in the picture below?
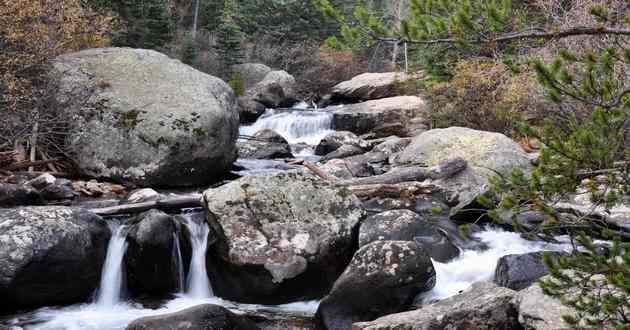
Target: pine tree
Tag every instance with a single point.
(148, 23)
(189, 50)
(229, 39)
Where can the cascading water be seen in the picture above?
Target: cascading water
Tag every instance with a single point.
(178, 263)
(198, 285)
(295, 126)
(112, 279)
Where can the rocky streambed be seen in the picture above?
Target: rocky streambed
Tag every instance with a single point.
(340, 217)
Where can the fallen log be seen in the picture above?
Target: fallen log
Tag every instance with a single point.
(178, 202)
(392, 190)
(21, 165)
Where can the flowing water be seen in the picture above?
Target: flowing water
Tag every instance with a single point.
(197, 284)
(452, 277)
(112, 279)
(297, 127)
(179, 263)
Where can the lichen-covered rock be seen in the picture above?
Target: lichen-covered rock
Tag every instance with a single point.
(405, 225)
(370, 86)
(485, 153)
(538, 311)
(265, 144)
(277, 232)
(382, 278)
(49, 255)
(149, 259)
(201, 317)
(251, 73)
(138, 116)
(485, 306)
(371, 116)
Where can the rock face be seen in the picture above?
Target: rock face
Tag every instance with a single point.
(405, 225)
(538, 311)
(49, 256)
(251, 73)
(335, 140)
(482, 150)
(143, 118)
(265, 144)
(519, 271)
(202, 317)
(484, 307)
(277, 232)
(148, 260)
(370, 86)
(372, 116)
(382, 278)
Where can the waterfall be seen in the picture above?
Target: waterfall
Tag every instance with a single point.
(179, 263)
(111, 286)
(296, 126)
(197, 284)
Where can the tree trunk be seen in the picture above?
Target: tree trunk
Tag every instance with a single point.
(166, 204)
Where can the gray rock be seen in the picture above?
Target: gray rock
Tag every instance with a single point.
(143, 195)
(49, 255)
(277, 232)
(537, 311)
(149, 259)
(519, 271)
(42, 181)
(346, 150)
(265, 144)
(140, 117)
(18, 194)
(249, 110)
(277, 89)
(392, 145)
(366, 117)
(405, 225)
(251, 73)
(382, 278)
(484, 152)
(484, 307)
(370, 86)
(335, 140)
(201, 317)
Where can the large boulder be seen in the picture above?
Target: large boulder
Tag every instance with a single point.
(19, 194)
(265, 144)
(405, 225)
(483, 307)
(374, 116)
(519, 271)
(251, 73)
(277, 89)
(249, 110)
(49, 255)
(277, 232)
(382, 278)
(141, 117)
(538, 311)
(487, 154)
(149, 260)
(370, 86)
(201, 317)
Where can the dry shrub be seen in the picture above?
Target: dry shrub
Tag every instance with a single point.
(486, 95)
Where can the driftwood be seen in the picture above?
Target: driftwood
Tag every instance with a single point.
(178, 202)
(392, 190)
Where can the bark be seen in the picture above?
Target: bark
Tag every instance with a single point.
(392, 190)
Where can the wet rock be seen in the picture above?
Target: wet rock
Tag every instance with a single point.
(249, 110)
(335, 140)
(484, 307)
(519, 271)
(370, 86)
(149, 256)
(265, 144)
(405, 225)
(277, 232)
(42, 181)
(59, 191)
(143, 195)
(362, 118)
(274, 320)
(18, 194)
(538, 311)
(49, 255)
(142, 118)
(201, 317)
(382, 278)
(485, 153)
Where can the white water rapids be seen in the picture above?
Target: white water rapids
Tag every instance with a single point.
(112, 279)
(452, 277)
